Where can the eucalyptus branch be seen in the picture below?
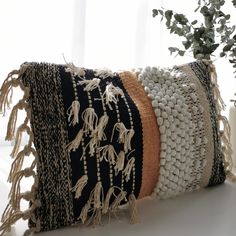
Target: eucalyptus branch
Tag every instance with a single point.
(214, 37)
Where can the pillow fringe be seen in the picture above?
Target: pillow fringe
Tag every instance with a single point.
(12, 212)
(224, 134)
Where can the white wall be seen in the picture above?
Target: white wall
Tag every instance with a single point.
(118, 34)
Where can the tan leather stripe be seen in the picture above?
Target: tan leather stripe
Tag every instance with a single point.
(151, 135)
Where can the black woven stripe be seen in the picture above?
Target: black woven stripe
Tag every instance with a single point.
(50, 136)
(76, 164)
(218, 173)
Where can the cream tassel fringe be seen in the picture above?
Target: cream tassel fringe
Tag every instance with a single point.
(225, 134)
(15, 189)
(25, 215)
(22, 128)
(98, 134)
(90, 119)
(74, 70)
(78, 188)
(73, 145)
(73, 113)
(111, 94)
(7, 88)
(133, 209)
(99, 130)
(13, 119)
(120, 162)
(108, 153)
(107, 200)
(128, 168)
(18, 162)
(95, 204)
(12, 212)
(125, 135)
(90, 84)
(117, 202)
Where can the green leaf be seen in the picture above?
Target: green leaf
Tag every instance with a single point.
(222, 54)
(187, 44)
(227, 47)
(180, 18)
(181, 52)
(214, 47)
(168, 15)
(227, 17)
(194, 22)
(173, 49)
(154, 12)
(204, 10)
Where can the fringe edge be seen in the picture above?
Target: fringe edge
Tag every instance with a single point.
(98, 205)
(224, 134)
(12, 212)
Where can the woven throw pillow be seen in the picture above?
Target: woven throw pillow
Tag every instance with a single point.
(102, 139)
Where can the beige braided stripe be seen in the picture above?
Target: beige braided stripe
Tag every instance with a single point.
(151, 135)
(206, 174)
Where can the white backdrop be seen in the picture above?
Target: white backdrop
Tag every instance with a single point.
(119, 34)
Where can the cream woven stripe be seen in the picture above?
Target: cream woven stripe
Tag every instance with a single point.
(207, 124)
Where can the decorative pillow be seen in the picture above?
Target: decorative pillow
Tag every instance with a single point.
(102, 140)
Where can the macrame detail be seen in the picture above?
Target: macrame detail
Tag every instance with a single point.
(224, 133)
(94, 127)
(13, 210)
(178, 113)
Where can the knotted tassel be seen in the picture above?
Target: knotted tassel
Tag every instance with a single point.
(120, 127)
(73, 145)
(23, 128)
(218, 97)
(117, 202)
(93, 144)
(14, 217)
(133, 209)
(7, 212)
(108, 153)
(104, 73)
(79, 186)
(84, 212)
(74, 70)
(73, 113)
(14, 194)
(97, 195)
(227, 129)
(99, 130)
(107, 200)
(120, 162)
(16, 165)
(90, 84)
(128, 168)
(111, 94)
(13, 118)
(12, 124)
(127, 140)
(125, 135)
(97, 219)
(90, 119)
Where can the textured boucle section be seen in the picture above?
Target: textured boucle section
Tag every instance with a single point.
(183, 140)
(151, 134)
(209, 151)
(217, 173)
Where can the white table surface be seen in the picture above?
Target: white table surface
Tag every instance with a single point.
(210, 212)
